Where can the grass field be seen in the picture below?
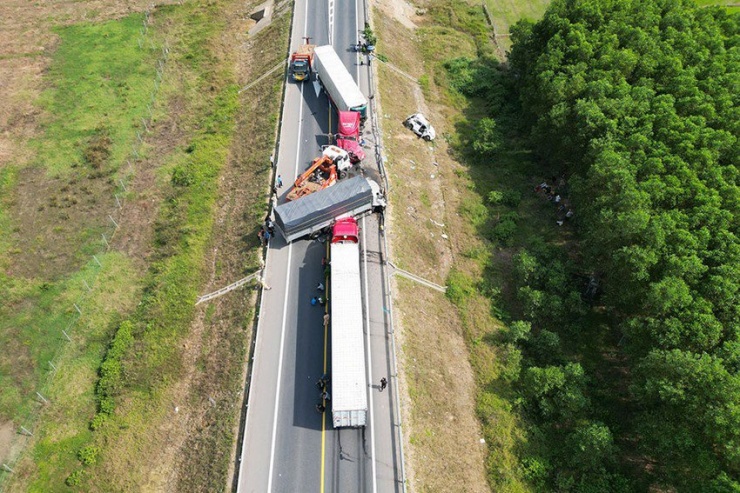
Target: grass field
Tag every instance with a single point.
(505, 13)
(102, 83)
(731, 5)
(99, 85)
(55, 209)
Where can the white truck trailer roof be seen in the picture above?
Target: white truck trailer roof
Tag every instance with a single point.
(348, 377)
(337, 80)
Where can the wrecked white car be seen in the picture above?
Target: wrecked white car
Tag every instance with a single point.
(420, 126)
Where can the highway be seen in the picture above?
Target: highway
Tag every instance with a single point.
(288, 446)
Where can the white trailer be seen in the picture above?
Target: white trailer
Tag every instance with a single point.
(348, 377)
(337, 81)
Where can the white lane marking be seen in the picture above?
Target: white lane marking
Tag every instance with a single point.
(367, 302)
(255, 364)
(358, 54)
(369, 358)
(280, 372)
(331, 22)
(287, 288)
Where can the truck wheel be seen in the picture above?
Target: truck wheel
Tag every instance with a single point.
(342, 175)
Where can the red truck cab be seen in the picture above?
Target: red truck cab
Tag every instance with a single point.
(345, 230)
(348, 135)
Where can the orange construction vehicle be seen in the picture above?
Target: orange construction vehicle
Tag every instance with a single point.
(323, 172)
(301, 61)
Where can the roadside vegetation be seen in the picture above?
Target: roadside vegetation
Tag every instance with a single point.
(599, 311)
(54, 212)
(148, 391)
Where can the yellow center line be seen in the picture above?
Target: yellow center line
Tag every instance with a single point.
(323, 402)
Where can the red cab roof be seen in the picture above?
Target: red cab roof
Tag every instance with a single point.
(349, 123)
(345, 229)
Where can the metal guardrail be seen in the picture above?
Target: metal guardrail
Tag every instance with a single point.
(230, 287)
(415, 278)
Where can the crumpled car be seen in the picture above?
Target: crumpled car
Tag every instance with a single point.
(420, 126)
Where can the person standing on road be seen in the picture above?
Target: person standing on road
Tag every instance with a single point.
(383, 384)
(320, 286)
(279, 181)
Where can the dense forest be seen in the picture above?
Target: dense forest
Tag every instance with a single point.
(632, 107)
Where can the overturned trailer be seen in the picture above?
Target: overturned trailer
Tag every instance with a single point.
(309, 215)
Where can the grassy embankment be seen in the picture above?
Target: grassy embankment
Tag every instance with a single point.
(143, 363)
(438, 185)
(54, 210)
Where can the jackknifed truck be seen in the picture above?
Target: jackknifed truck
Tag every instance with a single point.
(312, 214)
(348, 377)
(337, 81)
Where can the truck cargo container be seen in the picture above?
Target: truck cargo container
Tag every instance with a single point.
(348, 370)
(342, 89)
(309, 215)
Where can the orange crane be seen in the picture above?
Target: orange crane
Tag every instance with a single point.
(322, 173)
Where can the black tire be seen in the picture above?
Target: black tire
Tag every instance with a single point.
(342, 175)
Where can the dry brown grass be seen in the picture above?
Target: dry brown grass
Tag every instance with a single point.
(444, 451)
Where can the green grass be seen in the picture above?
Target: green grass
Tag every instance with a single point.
(730, 5)
(70, 391)
(99, 81)
(183, 232)
(508, 12)
(101, 84)
(505, 13)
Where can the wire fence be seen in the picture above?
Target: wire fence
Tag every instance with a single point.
(72, 336)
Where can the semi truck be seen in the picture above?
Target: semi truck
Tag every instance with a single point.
(348, 135)
(337, 81)
(301, 62)
(348, 376)
(310, 215)
(322, 173)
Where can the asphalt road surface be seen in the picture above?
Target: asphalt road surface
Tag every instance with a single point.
(288, 446)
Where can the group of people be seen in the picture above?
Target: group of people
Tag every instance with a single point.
(564, 212)
(319, 300)
(267, 231)
(323, 385)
